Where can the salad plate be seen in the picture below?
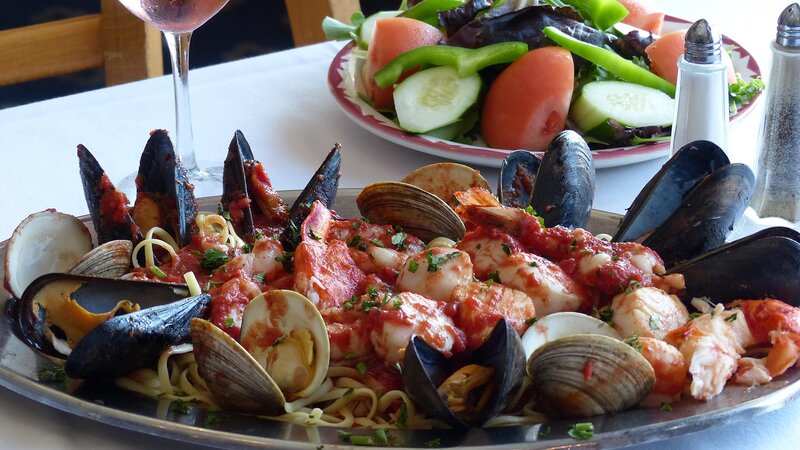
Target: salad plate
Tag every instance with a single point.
(342, 83)
(19, 366)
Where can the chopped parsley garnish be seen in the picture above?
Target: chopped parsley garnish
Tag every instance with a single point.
(259, 277)
(229, 322)
(632, 286)
(494, 276)
(247, 248)
(506, 249)
(533, 264)
(180, 407)
(54, 375)
(356, 224)
(655, 323)
(694, 315)
(196, 252)
(287, 260)
(402, 417)
(731, 318)
(633, 341)
(533, 213)
(377, 242)
(225, 214)
(213, 259)
(433, 443)
(372, 292)
(666, 407)
(413, 266)
(379, 438)
(361, 368)
(531, 321)
(157, 272)
(397, 303)
(212, 418)
(606, 314)
(367, 305)
(313, 235)
(433, 261)
(354, 241)
(399, 240)
(349, 304)
(581, 431)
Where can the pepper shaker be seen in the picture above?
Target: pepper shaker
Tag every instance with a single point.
(701, 112)
(777, 192)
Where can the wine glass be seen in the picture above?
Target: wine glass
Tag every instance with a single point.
(177, 19)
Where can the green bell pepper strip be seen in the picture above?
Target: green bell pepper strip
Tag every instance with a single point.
(602, 13)
(612, 62)
(466, 61)
(426, 11)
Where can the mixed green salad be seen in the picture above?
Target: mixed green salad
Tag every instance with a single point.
(511, 74)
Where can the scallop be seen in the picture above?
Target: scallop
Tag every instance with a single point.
(283, 354)
(45, 242)
(415, 210)
(587, 375)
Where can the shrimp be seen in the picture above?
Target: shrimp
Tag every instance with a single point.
(481, 305)
(488, 248)
(647, 312)
(774, 322)
(712, 345)
(379, 249)
(405, 315)
(228, 302)
(670, 369)
(435, 273)
(550, 288)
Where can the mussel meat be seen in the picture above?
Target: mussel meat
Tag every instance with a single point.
(466, 394)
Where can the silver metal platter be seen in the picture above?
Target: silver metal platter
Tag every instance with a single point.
(19, 366)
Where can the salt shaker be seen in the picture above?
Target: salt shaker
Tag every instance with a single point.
(702, 93)
(777, 192)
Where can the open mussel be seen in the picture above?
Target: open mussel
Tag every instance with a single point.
(283, 354)
(560, 188)
(164, 195)
(764, 264)
(472, 392)
(664, 193)
(108, 206)
(587, 375)
(415, 210)
(132, 341)
(44, 242)
(58, 310)
(321, 187)
(245, 184)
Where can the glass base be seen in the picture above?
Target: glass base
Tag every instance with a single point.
(207, 182)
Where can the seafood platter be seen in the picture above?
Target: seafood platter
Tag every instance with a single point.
(428, 312)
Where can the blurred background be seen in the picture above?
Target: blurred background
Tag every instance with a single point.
(244, 28)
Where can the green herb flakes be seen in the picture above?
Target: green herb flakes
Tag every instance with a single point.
(213, 259)
(581, 431)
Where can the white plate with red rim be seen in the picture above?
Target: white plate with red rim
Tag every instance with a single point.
(342, 83)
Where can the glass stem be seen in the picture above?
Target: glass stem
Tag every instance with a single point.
(178, 44)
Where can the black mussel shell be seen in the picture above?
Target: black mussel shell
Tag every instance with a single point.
(27, 316)
(664, 193)
(125, 343)
(765, 264)
(163, 179)
(321, 187)
(234, 180)
(425, 369)
(96, 185)
(564, 188)
(706, 216)
(517, 176)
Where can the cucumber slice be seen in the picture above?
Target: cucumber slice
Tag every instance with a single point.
(630, 104)
(434, 98)
(368, 27)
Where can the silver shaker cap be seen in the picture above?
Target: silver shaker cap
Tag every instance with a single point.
(703, 45)
(789, 27)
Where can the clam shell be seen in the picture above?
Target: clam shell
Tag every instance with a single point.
(45, 242)
(445, 179)
(563, 324)
(415, 210)
(587, 375)
(233, 376)
(109, 260)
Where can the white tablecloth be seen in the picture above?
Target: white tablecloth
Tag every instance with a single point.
(281, 103)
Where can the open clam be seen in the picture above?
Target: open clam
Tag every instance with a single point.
(445, 179)
(587, 375)
(562, 324)
(58, 310)
(283, 355)
(45, 242)
(465, 394)
(415, 210)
